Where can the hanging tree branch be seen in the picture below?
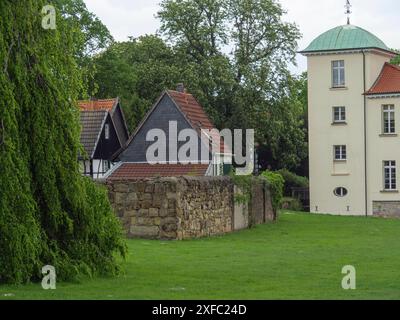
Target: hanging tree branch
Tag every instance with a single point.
(2, 133)
(7, 58)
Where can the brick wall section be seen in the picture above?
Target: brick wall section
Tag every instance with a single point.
(184, 208)
(387, 209)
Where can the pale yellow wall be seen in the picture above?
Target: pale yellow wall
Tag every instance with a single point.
(325, 174)
(381, 148)
(374, 63)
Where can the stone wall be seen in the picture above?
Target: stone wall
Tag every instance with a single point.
(186, 207)
(386, 209)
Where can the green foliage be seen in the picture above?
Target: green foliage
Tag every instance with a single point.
(291, 204)
(137, 71)
(249, 87)
(293, 181)
(276, 184)
(49, 214)
(244, 183)
(396, 60)
(90, 36)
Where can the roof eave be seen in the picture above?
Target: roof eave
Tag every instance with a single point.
(347, 50)
(382, 94)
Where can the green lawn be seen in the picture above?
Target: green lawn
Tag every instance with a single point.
(300, 257)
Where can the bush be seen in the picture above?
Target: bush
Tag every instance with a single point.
(276, 184)
(291, 204)
(293, 181)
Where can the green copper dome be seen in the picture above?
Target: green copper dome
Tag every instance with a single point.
(344, 38)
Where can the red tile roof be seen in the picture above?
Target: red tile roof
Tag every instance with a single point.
(131, 171)
(196, 115)
(388, 81)
(192, 109)
(97, 105)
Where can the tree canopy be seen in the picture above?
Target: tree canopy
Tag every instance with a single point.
(49, 213)
(232, 55)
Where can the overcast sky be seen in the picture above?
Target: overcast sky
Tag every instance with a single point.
(137, 17)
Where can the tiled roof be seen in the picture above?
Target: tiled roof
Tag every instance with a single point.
(196, 115)
(95, 105)
(388, 81)
(91, 123)
(192, 109)
(129, 171)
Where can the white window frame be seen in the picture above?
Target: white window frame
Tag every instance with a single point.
(342, 114)
(338, 66)
(389, 112)
(106, 166)
(343, 192)
(389, 175)
(342, 153)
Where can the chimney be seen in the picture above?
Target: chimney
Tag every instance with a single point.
(181, 88)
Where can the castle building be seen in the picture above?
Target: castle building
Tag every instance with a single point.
(354, 122)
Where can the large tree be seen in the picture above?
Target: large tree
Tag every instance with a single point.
(136, 71)
(49, 214)
(232, 55)
(91, 37)
(241, 50)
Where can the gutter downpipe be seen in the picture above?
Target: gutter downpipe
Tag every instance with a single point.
(365, 136)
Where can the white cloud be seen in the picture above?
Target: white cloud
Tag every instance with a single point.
(137, 17)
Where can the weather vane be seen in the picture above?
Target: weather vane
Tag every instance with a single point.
(348, 10)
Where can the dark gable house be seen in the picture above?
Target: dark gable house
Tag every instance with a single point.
(103, 133)
(172, 106)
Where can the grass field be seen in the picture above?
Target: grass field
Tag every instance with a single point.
(300, 257)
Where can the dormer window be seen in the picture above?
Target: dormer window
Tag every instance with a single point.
(338, 74)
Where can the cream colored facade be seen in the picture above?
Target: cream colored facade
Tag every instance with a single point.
(361, 174)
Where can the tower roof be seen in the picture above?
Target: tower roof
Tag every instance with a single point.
(346, 37)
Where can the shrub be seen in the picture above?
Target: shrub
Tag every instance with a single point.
(291, 204)
(276, 184)
(293, 181)
(244, 183)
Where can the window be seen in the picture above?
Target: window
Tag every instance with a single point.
(338, 75)
(106, 166)
(389, 124)
(389, 172)
(107, 131)
(340, 192)
(339, 114)
(340, 153)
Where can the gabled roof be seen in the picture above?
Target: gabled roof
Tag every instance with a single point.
(388, 81)
(131, 171)
(196, 115)
(192, 111)
(110, 105)
(98, 105)
(92, 123)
